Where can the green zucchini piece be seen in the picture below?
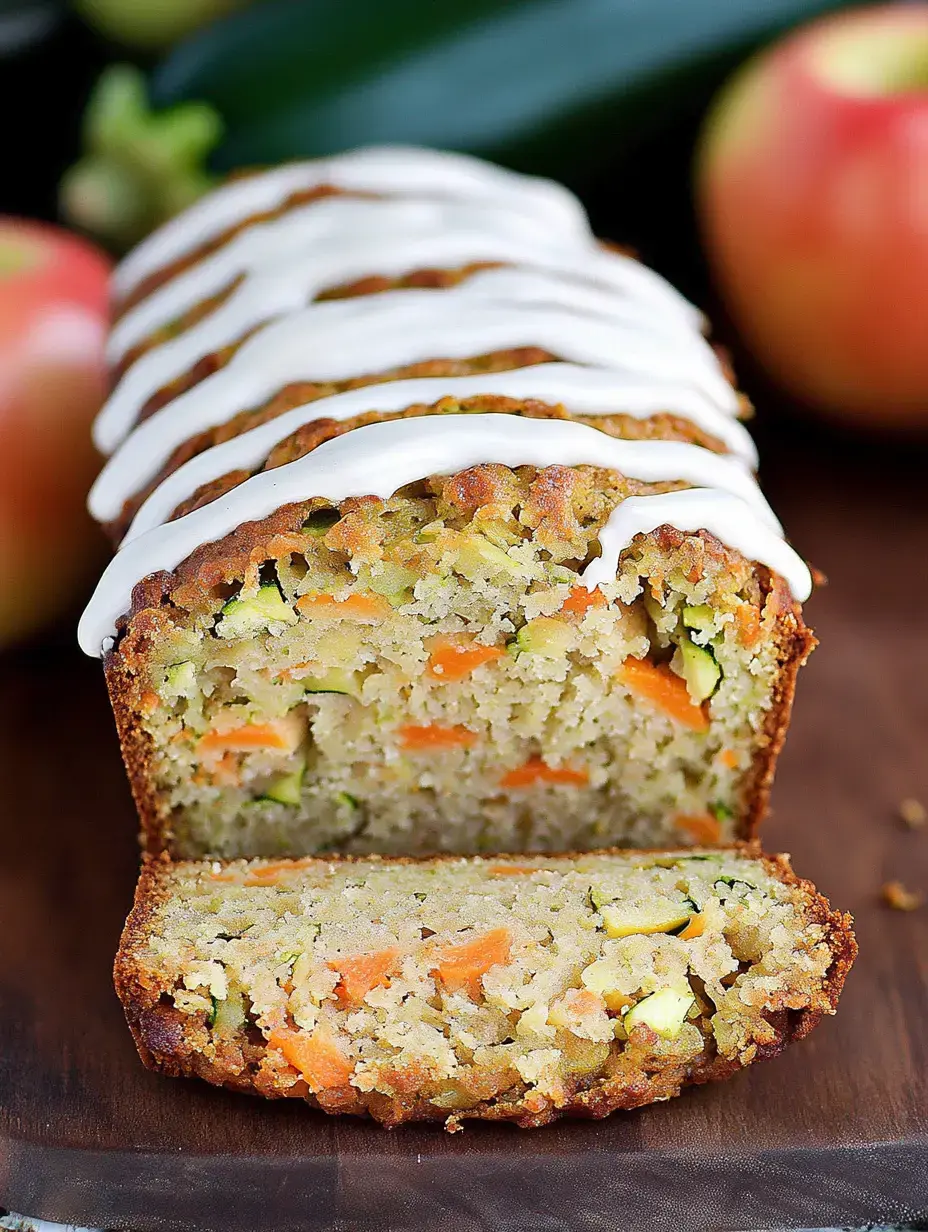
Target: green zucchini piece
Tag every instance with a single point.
(663, 916)
(546, 636)
(286, 788)
(228, 1015)
(180, 679)
(336, 680)
(664, 1012)
(242, 617)
(701, 618)
(700, 670)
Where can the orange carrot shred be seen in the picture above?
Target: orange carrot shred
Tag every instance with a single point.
(511, 870)
(580, 1001)
(361, 606)
(359, 973)
(317, 1057)
(454, 658)
(580, 600)
(435, 737)
(703, 827)
(666, 690)
(225, 771)
(285, 734)
(536, 772)
(695, 928)
(461, 967)
(749, 627)
(149, 702)
(729, 759)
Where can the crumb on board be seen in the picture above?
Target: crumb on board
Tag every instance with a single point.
(912, 812)
(895, 895)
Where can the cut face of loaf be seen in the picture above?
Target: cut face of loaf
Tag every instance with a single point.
(468, 557)
(428, 672)
(508, 988)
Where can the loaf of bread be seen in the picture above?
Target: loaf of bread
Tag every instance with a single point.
(438, 529)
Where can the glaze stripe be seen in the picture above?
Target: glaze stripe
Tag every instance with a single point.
(497, 310)
(581, 391)
(338, 240)
(388, 170)
(382, 458)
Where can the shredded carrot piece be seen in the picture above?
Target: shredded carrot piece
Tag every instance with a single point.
(284, 734)
(296, 672)
(729, 758)
(269, 874)
(225, 770)
(454, 658)
(361, 606)
(264, 874)
(318, 1058)
(360, 973)
(695, 928)
(703, 827)
(461, 967)
(511, 870)
(535, 771)
(149, 702)
(435, 737)
(580, 600)
(657, 684)
(617, 1001)
(580, 1001)
(748, 619)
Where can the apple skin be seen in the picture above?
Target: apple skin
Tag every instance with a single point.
(812, 194)
(53, 322)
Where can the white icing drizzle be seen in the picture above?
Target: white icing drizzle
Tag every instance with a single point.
(693, 509)
(582, 391)
(385, 170)
(287, 262)
(341, 339)
(382, 458)
(626, 342)
(291, 284)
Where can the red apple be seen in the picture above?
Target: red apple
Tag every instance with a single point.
(812, 189)
(53, 320)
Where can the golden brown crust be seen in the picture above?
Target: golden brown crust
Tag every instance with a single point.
(166, 1037)
(796, 641)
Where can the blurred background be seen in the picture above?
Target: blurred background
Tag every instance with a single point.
(770, 158)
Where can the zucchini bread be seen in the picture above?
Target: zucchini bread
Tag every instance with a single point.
(503, 988)
(437, 530)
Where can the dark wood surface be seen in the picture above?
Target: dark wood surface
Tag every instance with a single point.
(835, 1132)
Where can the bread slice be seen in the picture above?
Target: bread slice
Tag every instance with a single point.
(504, 988)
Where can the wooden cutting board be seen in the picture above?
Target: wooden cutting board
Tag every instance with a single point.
(835, 1132)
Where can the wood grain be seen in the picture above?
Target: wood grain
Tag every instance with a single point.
(834, 1132)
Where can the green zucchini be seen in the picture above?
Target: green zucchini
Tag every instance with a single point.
(554, 86)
